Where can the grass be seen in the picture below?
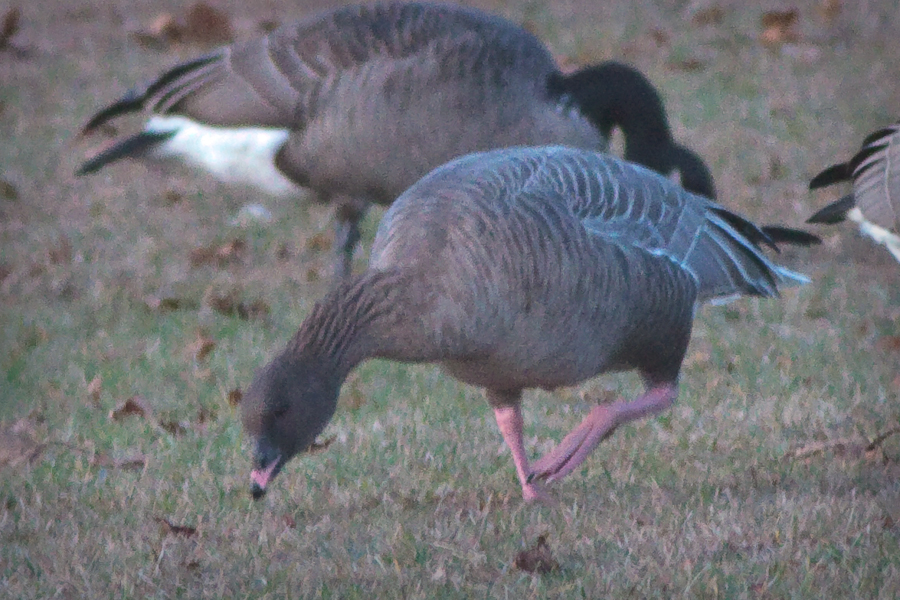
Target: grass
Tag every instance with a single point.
(417, 497)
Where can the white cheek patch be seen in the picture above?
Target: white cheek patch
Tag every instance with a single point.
(233, 155)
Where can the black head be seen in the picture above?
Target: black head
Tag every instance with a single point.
(694, 174)
(613, 94)
(288, 404)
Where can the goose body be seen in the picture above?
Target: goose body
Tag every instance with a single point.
(360, 102)
(515, 269)
(874, 203)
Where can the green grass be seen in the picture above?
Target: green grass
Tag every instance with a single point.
(417, 495)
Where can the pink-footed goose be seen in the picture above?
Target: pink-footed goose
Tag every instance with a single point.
(514, 269)
(360, 102)
(874, 202)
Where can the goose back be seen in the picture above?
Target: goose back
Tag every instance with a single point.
(376, 96)
(551, 265)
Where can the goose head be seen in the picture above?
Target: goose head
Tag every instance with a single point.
(287, 405)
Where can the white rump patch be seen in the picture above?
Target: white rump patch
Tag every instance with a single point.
(243, 155)
(879, 234)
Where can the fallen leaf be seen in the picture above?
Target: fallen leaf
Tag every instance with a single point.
(235, 396)
(206, 25)
(320, 446)
(5, 271)
(660, 36)
(283, 253)
(228, 304)
(61, 253)
(829, 10)
(133, 462)
(218, 255)
(9, 26)
(319, 242)
(8, 190)
(201, 347)
(133, 406)
(267, 25)
(168, 303)
(888, 522)
(171, 197)
(94, 388)
(204, 415)
(290, 521)
(175, 427)
(538, 559)
(780, 27)
(888, 343)
(708, 16)
(849, 447)
(176, 529)
(17, 447)
(688, 65)
(162, 31)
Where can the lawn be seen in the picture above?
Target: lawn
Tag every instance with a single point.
(135, 307)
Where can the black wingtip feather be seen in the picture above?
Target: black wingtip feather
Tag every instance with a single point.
(833, 174)
(836, 212)
(787, 235)
(129, 147)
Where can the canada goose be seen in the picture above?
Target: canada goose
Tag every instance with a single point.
(874, 202)
(513, 269)
(360, 102)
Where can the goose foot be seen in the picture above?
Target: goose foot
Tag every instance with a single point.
(596, 427)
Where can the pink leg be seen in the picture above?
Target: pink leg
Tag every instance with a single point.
(509, 420)
(600, 423)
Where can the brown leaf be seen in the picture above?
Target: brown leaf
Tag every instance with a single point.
(283, 253)
(289, 521)
(888, 343)
(175, 427)
(708, 16)
(17, 447)
(8, 190)
(660, 36)
(9, 26)
(538, 559)
(888, 522)
(780, 27)
(829, 10)
(133, 406)
(320, 446)
(319, 242)
(176, 529)
(171, 197)
(218, 255)
(207, 25)
(228, 304)
(133, 462)
(688, 65)
(5, 271)
(61, 253)
(94, 388)
(268, 25)
(163, 30)
(235, 396)
(202, 345)
(168, 303)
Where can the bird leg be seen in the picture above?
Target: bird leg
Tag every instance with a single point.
(509, 420)
(348, 213)
(599, 424)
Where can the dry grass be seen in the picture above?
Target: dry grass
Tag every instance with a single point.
(416, 497)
